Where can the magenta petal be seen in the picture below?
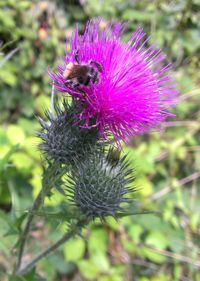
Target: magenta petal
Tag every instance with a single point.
(135, 90)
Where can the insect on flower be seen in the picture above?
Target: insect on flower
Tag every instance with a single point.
(77, 74)
(128, 86)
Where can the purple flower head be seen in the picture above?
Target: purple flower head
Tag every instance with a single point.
(134, 89)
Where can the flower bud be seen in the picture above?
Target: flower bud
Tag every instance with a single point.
(62, 140)
(99, 187)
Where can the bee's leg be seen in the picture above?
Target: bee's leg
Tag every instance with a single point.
(82, 92)
(97, 64)
(77, 58)
(93, 75)
(96, 78)
(75, 86)
(88, 81)
(72, 84)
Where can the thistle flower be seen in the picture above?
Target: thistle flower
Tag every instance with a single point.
(61, 141)
(135, 89)
(99, 187)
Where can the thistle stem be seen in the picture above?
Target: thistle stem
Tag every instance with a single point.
(51, 175)
(73, 231)
(36, 205)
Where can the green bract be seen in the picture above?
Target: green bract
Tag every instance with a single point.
(99, 186)
(63, 141)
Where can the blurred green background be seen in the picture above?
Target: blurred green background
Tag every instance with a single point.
(167, 164)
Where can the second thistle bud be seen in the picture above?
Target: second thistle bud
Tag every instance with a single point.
(99, 187)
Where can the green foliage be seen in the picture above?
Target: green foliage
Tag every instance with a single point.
(142, 247)
(68, 249)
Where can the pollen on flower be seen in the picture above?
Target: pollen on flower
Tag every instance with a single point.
(135, 89)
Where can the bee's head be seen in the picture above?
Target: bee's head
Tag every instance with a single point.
(68, 70)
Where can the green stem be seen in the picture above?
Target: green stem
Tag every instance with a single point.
(73, 231)
(37, 203)
(51, 175)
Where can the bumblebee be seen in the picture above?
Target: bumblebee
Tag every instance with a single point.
(77, 74)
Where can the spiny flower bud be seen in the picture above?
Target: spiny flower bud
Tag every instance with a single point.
(62, 141)
(99, 187)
